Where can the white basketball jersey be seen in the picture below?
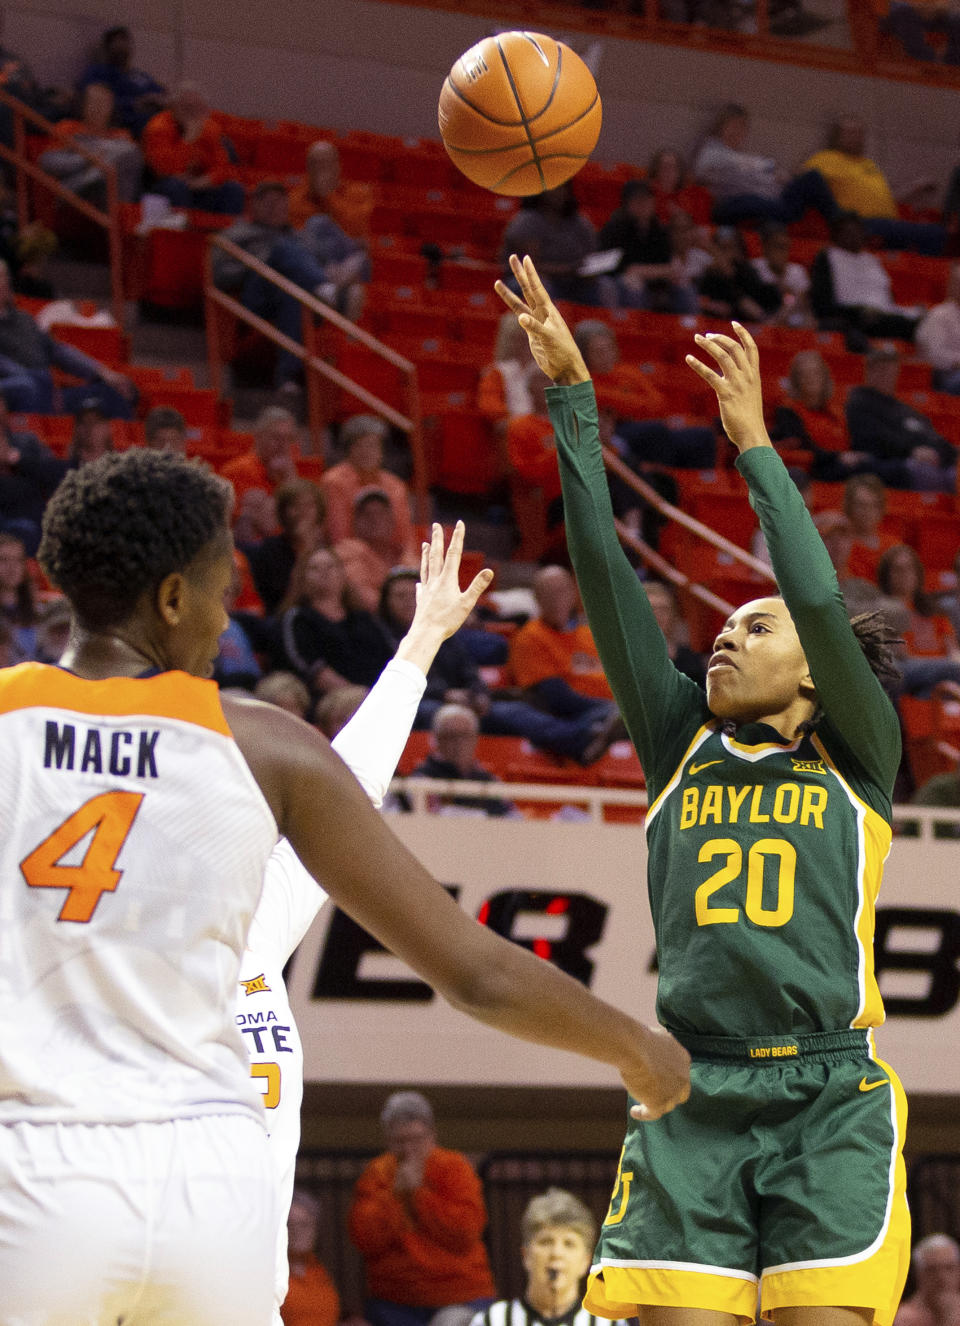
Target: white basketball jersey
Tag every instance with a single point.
(132, 859)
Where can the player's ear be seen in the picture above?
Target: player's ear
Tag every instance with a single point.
(807, 689)
(169, 598)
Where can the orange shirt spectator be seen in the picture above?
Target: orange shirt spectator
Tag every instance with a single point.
(169, 152)
(865, 555)
(629, 393)
(312, 1298)
(539, 651)
(532, 452)
(348, 202)
(363, 437)
(622, 389)
(275, 458)
(418, 1216)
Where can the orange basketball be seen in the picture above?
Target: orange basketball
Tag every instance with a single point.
(519, 113)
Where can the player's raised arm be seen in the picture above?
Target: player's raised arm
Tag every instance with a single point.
(848, 690)
(653, 697)
(342, 841)
(372, 742)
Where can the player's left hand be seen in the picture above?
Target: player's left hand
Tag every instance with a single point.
(737, 385)
(551, 341)
(442, 607)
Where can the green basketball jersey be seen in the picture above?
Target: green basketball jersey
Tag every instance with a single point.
(765, 856)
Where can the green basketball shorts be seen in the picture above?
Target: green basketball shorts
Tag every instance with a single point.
(782, 1175)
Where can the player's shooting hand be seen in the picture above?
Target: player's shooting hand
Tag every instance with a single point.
(551, 342)
(738, 386)
(660, 1077)
(442, 607)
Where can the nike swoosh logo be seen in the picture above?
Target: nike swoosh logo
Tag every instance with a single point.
(872, 1086)
(695, 768)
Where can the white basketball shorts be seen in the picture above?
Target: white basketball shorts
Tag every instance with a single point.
(143, 1224)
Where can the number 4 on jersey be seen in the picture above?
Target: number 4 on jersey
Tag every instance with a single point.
(110, 816)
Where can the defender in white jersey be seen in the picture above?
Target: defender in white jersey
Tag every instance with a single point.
(370, 745)
(139, 809)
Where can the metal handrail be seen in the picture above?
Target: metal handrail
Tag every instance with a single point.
(317, 370)
(108, 220)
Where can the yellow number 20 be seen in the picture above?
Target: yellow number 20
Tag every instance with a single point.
(786, 856)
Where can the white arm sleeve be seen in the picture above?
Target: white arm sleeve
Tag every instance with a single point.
(372, 742)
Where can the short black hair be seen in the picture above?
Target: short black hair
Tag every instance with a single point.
(116, 528)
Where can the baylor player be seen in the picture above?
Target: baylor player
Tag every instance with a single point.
(768, 827)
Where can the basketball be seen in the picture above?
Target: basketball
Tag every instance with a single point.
(519, 113)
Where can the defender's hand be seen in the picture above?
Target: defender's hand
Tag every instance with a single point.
(660, 1077)
(442, 607)
(738, 386)
(551, 342)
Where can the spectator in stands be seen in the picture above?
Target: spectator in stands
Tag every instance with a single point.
(550, 227)
(807, 417)
(288, 692)
(187, 157)
(928, 634)
(277, 561)
(27, 356)
(932, 653)
(948, 599)
(850, 288)
(275, 455)
(689, 253)
(645, 275)
(731, 286)
(504, 390)
(911, 21)
(631, 395)
(532, 452)
(165, 429)
(858, 185)
(333, 713)
(25, 249)
(137, 94)
(418, 1217)
(554, 659)
(362, 438)
(791, 278)
(349, 203)
(938, 337)
(859, 595)
(18, 599)
(255, 519)
(95, 131)
(557, 1234)
(865, 506)
(674, 191)
(237, 664)
(453, 756)
(265, 234)
(746, 187)
(663, 601)
(369, 553)
(908, 450)
(943, 790)
(92, 435)
(29, 472)
(936, 1259)
(53, 631)
(312, 1298)
(582, 731)
(327, 638)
